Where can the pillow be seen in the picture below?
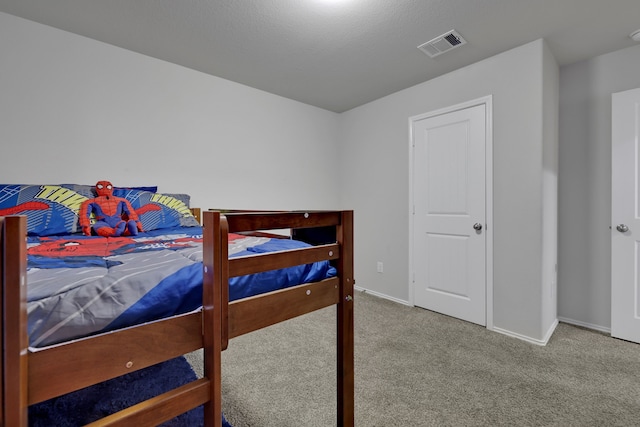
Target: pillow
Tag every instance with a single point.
(50, 209)
(53, 209)
(153, 189)
(157, 210)
(90, 192)
(184, 198)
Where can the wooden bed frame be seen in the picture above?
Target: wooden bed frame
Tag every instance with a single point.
(29, 375)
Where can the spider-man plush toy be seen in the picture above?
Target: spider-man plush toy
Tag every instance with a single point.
(114, 215)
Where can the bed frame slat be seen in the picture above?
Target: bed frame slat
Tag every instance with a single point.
(119, 353)
(160, 408)
(253, 313)
(251, 264)
(253, 221)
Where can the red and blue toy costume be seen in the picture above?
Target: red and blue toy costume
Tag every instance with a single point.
(114, 215)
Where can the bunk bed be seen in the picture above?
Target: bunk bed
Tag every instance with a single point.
(34, 374)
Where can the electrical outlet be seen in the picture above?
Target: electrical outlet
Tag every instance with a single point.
(380, 267)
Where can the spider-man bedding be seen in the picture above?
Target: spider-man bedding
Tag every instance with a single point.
(81, 285)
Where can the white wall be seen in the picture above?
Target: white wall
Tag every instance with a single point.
(375, 141)
(155, 123)
(584, 282)
(107, 113)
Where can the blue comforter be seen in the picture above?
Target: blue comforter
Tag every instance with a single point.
(80, 285)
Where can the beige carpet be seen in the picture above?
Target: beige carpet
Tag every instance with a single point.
(419, 368)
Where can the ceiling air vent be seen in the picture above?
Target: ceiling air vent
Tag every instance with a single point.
(442, 44)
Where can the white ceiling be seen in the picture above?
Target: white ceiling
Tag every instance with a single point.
(336, 54)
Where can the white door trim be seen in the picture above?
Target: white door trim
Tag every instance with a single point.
(488, 102)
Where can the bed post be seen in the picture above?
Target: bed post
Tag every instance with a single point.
(13, 274)
(213, 239)
(2, 251)
(344, 234)
(224, 283)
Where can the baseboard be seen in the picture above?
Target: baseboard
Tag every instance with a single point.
(542, 342)
(598, 328)
(535, 341)
(381, 295)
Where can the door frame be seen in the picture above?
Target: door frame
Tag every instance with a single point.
(487, 101)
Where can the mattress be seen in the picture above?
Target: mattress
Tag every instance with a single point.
(82, 285)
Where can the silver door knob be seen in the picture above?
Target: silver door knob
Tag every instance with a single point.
(622, 228)
(477, 226)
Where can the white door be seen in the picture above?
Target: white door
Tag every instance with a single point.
(449, 253)
(625, 216)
